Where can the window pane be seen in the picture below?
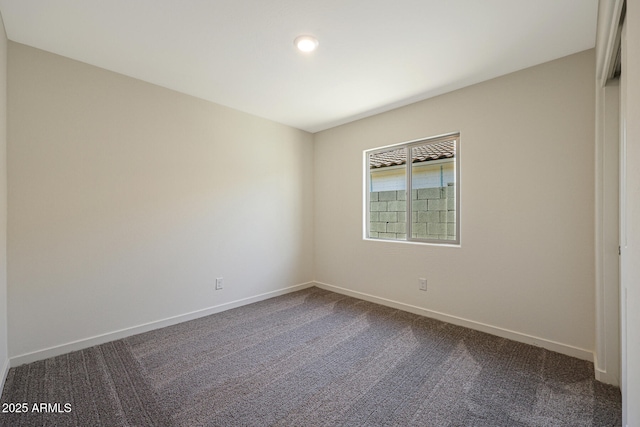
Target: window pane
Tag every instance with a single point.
(433, 191)
(388, 195)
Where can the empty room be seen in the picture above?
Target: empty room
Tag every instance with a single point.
(297, 213)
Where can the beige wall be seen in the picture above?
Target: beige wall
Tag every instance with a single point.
(4, 356)
(127, 200)
(525, 265)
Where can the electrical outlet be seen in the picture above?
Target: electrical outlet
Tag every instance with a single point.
(422, 284)
(219, 283)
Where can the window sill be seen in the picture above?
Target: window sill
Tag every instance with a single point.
(411, 242)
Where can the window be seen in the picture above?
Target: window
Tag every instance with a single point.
(431, 169)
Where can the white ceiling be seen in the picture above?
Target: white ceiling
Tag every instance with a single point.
(374, 55)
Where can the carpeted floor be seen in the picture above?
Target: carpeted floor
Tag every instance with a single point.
(311, 358)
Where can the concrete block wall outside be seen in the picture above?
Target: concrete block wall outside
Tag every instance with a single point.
(433, 214)
(387, 196)
(388, 216)
(436, 204)
(397, 206)
(378, 206)
(397, 227)
(430, 193)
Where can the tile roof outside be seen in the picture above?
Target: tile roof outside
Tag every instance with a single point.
(420, 153)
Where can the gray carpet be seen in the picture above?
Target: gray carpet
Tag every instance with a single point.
(312, 358)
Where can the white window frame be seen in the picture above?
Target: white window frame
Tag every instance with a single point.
(408, 170)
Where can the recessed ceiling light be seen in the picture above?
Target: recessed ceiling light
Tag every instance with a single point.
(306, 43)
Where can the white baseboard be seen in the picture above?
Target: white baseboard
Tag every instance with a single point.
(606, 378)
(569, 350)
(602, 375)
(5, 372)
(134, 330)
(123, 333)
